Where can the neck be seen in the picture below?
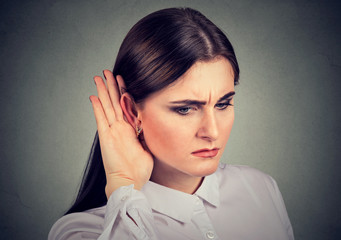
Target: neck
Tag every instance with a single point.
(170, 177)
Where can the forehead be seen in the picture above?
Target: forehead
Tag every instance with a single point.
(203, 81)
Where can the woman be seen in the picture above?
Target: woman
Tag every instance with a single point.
(163, 123)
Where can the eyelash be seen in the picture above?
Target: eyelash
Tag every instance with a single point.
(224, 105)
(181, 111)
(185, 110)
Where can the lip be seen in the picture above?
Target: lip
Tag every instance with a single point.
(206, 153)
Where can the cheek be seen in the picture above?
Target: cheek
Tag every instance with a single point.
(226, 123)
(163, 136)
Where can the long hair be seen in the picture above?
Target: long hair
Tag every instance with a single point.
(158, 49)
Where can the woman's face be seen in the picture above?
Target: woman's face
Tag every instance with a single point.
(186, 125)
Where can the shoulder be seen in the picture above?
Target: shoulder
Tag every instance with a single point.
(72, 226)
(252, 190)
(242, 171)
(244, 175)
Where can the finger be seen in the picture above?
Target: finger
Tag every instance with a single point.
(105, 99)
(101, 120)
(113, 93)
(121, 84)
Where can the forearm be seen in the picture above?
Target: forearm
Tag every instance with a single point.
(127, 215)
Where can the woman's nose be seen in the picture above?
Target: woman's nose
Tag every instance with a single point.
(208, 129)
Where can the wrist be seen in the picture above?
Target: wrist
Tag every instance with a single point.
(115, 183)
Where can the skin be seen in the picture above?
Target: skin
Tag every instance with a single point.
(171, 131)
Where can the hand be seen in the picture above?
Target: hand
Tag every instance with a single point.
(124, 158)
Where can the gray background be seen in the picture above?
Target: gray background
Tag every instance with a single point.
(287, 104)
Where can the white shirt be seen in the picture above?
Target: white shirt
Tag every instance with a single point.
(236, 202)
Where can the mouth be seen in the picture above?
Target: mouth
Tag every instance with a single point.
(206, 153)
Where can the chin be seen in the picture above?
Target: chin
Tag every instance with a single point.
(206, 169)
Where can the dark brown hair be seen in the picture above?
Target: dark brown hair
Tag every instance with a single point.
(158, 49)
(164, 45)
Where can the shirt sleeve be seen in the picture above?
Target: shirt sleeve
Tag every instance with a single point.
(127, 216)
(279, 202)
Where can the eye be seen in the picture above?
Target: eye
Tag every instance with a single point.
(183, 110)
(222, 106)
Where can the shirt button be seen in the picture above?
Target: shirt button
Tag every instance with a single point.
(210, 235)
(124, 198)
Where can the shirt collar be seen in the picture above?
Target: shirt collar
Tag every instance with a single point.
(209, 190)
(179, 205)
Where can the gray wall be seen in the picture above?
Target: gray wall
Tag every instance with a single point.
(287, 104)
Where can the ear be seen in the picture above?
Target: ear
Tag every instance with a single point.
(127, 103)
(129, 109)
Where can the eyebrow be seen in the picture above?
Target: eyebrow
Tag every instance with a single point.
(196, 102)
